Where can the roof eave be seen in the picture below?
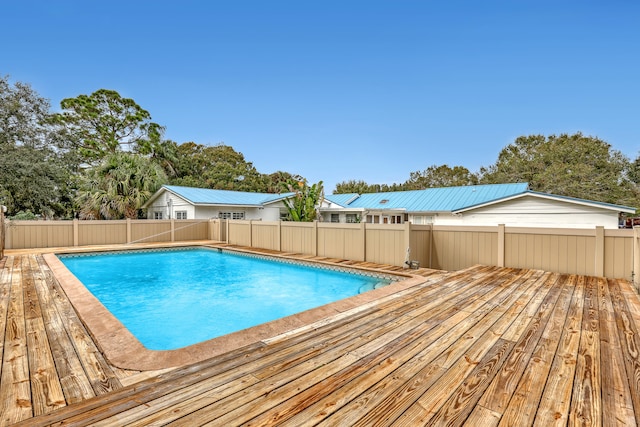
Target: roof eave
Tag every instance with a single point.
(600, 205)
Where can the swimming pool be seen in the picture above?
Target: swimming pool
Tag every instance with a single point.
(170, 299)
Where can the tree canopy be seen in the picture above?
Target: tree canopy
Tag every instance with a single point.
(361, 187)
(103, 123)
(103, 156)
(219, 167)
(33, 175)
(440, 176)
(567, 165)
(23, 115)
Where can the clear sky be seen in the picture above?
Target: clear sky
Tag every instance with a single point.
(338, 90)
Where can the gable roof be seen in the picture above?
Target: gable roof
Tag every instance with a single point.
(445, 199)
(548, 196)
(207, 196)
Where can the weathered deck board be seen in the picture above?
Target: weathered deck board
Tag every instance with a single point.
(46, 390)
(483, 346)
(75, 383)
(15, 390)
(628, 330)
(616, 396)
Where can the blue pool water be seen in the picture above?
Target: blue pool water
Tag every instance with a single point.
(172, 299)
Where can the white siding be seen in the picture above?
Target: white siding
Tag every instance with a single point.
(168, 204)
(534, 212)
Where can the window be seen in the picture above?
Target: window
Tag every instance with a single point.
(157, 215)
(335, 217)
(181, 214)
(352, 218)
(231, 215)
(420, 219)
(373, 219)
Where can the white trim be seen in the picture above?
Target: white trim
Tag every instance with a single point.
(553, 197)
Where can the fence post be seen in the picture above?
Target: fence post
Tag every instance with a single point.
(128, 230)
(636, 257)
(76, 234)
(599, 252)
(407, 243)
(279, 239)
(363, 231)
(431, 245)
(173, 230)
(315, 238)
(500, 245)
(250, 233)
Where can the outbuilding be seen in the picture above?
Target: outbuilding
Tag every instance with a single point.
(176, 202)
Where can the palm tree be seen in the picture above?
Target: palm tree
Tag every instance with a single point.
(119, 186)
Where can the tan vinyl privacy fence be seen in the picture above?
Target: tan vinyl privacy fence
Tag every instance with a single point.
(597, 251)
(56, 234)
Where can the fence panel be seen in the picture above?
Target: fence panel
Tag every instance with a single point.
(385, 244)
(299, 237)
(38, 234)
(102, 232)
(150, 231)
(619, 254)
(455, 248)
(342, 241)
(186, 229)
(239, 232)
(420, 244)
(570, 251)
(265, 235)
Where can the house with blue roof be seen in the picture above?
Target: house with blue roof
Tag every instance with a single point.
(487, 205)
(176, 202)
(509, 204)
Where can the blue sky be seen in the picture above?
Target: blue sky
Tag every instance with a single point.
(339, 90)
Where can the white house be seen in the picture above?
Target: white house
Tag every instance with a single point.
(174, 202)
(509, 204)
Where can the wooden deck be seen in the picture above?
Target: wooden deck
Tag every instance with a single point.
(480, 347)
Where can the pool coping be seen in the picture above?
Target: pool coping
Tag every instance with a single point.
(123, 350)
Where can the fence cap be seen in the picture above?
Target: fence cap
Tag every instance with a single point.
(3, 208)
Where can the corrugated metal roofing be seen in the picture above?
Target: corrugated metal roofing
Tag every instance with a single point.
(445, 199)
(206, 196)
(342, 199)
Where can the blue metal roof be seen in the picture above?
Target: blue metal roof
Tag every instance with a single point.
(445, 199)
(206, 196)
(342, 199)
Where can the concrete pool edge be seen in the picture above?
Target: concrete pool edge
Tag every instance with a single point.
(123, 350)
